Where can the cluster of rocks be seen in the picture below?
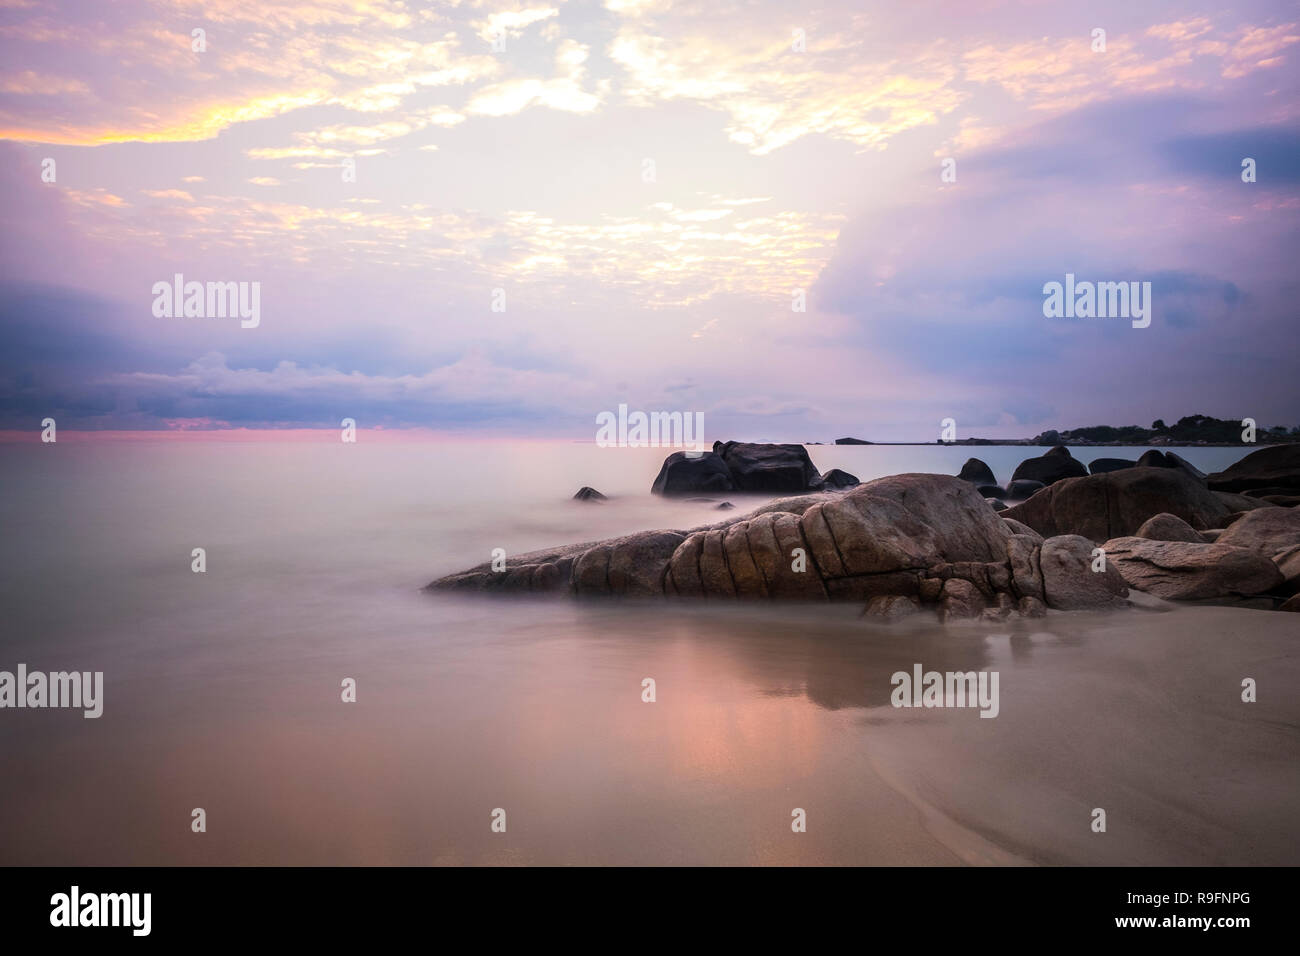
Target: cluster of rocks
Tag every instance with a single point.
(908, 542)
(745, 467)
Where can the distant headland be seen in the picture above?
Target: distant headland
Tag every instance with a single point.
(1189, 430)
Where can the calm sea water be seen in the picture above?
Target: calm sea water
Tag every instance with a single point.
(222, 689)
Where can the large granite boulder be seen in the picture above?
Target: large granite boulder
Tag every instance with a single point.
(768, 468)
(1118, 503)
(930, 538)
(977, 473)
(1277, 466)
(1052, 467)
(742, 466)
(1186, 571)
(1266, 530)
(1069, 580)
(690, 473)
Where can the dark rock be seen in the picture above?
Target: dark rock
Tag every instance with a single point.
(1282, 501)
(1277, 466)
(1185, 571)
(1024, 488)
(851, 441)
(977, 473)
(1099, 466)
(588, 494)
(835, 478)
(991, 491)
(1117, 503)
(1270, 490)
(1154, 458)
(995, 504)
(1241, 503)
(725, 506)
(768, 468)
(1167, 527)
(1050, 468)
(688, 473)
(1290, 604)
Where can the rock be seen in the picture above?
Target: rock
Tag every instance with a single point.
(1069, 582)
(1018, 528)
(835, 478)
(991, 491)
(1099, 466)
(1236, 502)
(1271, 490)
(1117, 503)
(977, 473)
(1167, 459)
(1167, 527)
(688, 473)
(1032, 607)
(1052, 467)
(1276, 466)
(768, 468)
(960, 599)
(931, 538)
(1177, 461)
(888, 608)
(1290, 604)
(851, 441)
(1282, 501)
(1288, 562)
(1024, 488)
(1185, 571)
(588, 494)
(995, 504)
(1024, 559)
(1267, 530)
(725, 506)
(1210, 535)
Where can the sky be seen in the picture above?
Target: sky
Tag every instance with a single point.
(504, 218)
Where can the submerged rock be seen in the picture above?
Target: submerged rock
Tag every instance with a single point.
(586, 493)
